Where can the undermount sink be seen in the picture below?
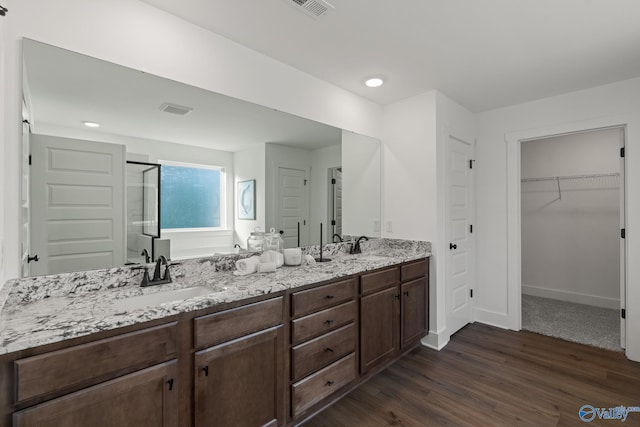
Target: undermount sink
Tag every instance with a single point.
(369, 258)
(157, 298)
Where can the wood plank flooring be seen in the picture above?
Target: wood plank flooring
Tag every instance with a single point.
(492, 377)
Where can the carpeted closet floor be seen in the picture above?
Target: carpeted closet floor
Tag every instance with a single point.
(596, 326)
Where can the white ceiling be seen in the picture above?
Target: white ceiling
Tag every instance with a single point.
(66, 88)
(482, 53)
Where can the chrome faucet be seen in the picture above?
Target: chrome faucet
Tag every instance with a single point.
(338, 236)
(355, 249)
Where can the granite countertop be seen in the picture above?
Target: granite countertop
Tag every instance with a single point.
(41, 310)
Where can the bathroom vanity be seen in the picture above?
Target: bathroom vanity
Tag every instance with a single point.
(267, 349)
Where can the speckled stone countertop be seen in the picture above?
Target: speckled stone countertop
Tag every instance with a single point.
(45, 309)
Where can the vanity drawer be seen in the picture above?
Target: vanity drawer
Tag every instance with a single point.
(379, 280)
(91, 363)
(323, 321)
(311, 300)
(325, 349)
(226, 325)
(316, 387)
(414, 270)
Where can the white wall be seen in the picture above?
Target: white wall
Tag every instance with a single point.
(617, 103)
(250, 164)
(322, 160)
(137, 35)
(361, 185)
(414, 136)
(571, 238)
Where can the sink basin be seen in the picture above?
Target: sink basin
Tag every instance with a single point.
(369, 258)
(158, 298)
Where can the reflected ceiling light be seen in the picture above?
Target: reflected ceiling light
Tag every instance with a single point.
(374, 82)
(92, 124)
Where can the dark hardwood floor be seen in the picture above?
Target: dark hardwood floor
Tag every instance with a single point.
(492, 377)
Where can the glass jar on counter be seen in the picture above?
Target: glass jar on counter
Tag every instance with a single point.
(255, 242)
(273, 242)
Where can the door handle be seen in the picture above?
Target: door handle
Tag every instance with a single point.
(32, 258)
(453, 246)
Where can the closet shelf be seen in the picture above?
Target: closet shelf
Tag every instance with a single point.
(556, 178)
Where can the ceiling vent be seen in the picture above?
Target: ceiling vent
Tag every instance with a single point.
(175, 109)
(313, 8)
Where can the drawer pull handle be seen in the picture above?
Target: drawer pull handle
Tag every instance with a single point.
(406, 293)
(397, 296)
(206, 371)
(328, 350)
(329, 383)
(329, 297)
(329, 322)
(170, 382)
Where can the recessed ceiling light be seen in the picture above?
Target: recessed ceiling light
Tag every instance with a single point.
(92, 124)
(374, 82)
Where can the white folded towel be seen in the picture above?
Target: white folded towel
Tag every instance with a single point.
(247, 266)
(308, 259)
(267, 267)
(272, 257)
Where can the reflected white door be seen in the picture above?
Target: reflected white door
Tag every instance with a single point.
(336, 202)
(291, 205)
(460, 257)
(77, 204)
(25, 240)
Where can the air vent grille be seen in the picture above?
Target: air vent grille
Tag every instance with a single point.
(175, 109)
(314, 8)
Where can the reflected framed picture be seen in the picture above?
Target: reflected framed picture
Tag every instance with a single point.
(247, 199)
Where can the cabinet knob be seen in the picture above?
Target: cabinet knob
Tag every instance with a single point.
(170, 382)
(330, 383)
(406, 293)
(206, 371)
(329, 297)
(397, 296)
(329, 322)
(328, 350)
(453, 246)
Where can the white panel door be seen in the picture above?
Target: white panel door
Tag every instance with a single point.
(623, 248)
(460, 257)
(336, 202)
(77, 204)
(291, 209)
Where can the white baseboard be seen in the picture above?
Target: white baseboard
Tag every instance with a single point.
(436, 341)
(578, 298)
(492, 318)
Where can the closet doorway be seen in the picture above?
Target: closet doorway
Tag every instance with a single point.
(572, 211)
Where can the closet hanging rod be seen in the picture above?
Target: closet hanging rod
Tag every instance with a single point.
(556, 178)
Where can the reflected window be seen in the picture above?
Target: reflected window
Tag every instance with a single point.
(192, 196)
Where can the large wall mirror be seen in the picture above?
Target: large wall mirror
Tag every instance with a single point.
(93, 195)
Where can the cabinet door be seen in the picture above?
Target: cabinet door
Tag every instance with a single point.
(146, 398)
(414, 310)
(380, 328)
(240, 383)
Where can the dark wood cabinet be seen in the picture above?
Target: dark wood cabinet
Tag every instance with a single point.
(239, 383)
(414, 307)
(394, 318)
(379, 325)
(146, 398)
(272, 360)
